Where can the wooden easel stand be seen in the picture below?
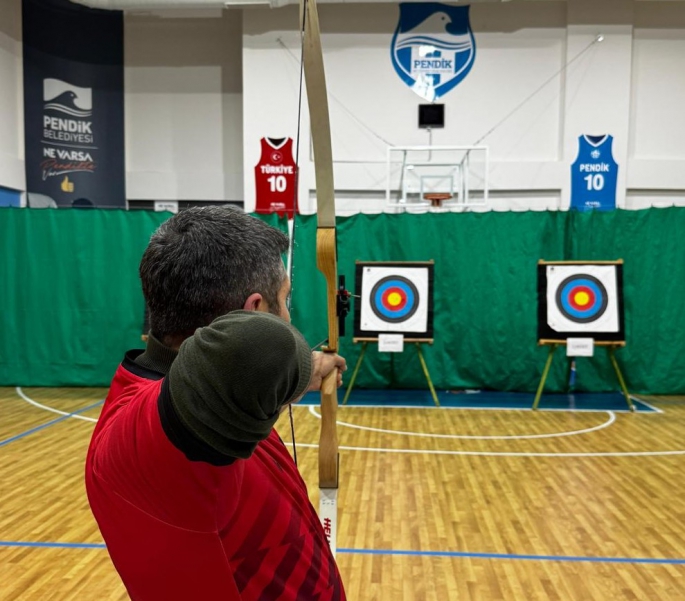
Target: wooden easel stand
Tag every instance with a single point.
(611, 349)
(424, 367)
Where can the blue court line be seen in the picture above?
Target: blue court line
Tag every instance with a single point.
(567, 558)
(47, 424)
(12, 543)
(461, 554)
(487, 399)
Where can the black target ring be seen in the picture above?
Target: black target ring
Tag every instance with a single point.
(565, 291)
(394, 284)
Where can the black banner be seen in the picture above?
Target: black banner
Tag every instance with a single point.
(73, 105)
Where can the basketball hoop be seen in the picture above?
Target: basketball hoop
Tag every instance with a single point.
(436, 178)
(436, 198)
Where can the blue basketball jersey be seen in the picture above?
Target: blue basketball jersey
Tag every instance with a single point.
(594, 175)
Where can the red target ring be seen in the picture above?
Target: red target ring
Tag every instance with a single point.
(392, 293)
(581, 293)
(394, 299)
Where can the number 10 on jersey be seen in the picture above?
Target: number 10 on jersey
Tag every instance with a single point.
(278, 183)
(594, 182)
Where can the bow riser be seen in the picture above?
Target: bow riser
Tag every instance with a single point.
(328, 443)
(326, 261)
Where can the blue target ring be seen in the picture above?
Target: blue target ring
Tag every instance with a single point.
(592, 294)
(394, 299)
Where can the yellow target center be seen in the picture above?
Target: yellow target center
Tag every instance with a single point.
(582, 298)
(394, 299)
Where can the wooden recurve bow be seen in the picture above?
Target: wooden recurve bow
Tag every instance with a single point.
(326, 254)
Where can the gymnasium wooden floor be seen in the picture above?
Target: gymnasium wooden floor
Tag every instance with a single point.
(426, 515)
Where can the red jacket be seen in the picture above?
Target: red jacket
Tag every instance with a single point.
(186, 530)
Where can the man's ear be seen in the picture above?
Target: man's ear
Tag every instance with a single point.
(254, 302)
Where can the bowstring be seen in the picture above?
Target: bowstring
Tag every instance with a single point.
(295, 198)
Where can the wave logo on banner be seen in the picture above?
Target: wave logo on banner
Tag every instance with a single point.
(67, 131)
(64, 97)
(433, 48)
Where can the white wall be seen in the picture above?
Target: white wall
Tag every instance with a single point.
(631, 85)
(11, 97)
(203, 87)
(656, 173)
(370, 107)
(183, 84)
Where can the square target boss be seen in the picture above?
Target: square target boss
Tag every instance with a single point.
(580, 299)
(394, 298)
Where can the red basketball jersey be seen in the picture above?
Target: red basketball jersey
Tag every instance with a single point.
(275, 178)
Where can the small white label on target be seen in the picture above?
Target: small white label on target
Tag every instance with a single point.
(580, 347)
(390, 343)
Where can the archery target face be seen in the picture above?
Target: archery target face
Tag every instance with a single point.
(394, 299)
(582, 298)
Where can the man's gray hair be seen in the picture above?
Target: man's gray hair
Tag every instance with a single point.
(205, 262)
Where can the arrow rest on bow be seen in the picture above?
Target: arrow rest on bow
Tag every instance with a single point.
(342, 304)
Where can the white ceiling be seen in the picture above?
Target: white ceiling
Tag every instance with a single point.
(162, 5)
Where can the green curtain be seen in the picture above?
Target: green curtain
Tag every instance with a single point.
(485, 295)
(72, 303)
(72, 299)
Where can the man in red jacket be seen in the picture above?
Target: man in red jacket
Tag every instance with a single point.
(194, 492)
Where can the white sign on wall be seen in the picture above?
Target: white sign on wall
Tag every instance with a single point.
(166, 205)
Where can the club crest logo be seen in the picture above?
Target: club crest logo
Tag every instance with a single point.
(66, 98)
(433, 48)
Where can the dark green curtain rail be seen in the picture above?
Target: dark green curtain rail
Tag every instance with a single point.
(72, 305)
